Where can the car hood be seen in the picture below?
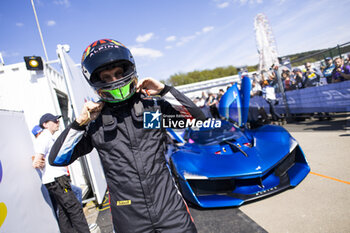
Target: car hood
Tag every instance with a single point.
(270, 145)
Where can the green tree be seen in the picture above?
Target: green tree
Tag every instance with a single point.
(198, 76)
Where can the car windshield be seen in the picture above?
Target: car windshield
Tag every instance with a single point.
(207, 136)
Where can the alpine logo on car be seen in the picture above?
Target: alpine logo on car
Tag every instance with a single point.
(265, 191)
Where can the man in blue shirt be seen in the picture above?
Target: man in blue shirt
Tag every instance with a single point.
(327, 72)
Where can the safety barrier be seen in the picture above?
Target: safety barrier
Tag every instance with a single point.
(333, 97)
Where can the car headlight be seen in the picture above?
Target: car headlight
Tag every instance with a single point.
(189, 176)
(293, 145)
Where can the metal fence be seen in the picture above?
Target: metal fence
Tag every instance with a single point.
(318, 57)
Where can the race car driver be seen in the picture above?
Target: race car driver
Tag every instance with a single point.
(143, 195)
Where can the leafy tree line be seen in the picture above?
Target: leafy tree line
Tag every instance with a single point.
(198, 76)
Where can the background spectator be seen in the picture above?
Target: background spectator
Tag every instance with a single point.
(272, 80)
(312, 75)
(288, 80)
(299, 78)
(347, 62)
(270, 97)
(341, 72)
(256, 77)
(220, 94)
(212, 101)
(256, 88)
(70, 213)
(327, 72)
(202, 103)
(36, 131)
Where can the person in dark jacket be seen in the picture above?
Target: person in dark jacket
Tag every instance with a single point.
(340, 72)
(312, 75)
(299, 82)
(143, 195)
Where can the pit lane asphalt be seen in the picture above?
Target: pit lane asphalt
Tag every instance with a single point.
(320, 203)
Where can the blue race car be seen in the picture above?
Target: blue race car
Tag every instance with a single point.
(230, 165)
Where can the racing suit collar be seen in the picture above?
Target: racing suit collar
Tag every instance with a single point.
(129, 102)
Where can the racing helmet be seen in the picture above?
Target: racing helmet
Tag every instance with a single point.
(103, 55)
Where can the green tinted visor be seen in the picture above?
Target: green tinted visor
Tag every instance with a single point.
(118, 94)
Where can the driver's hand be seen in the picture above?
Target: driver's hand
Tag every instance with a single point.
(149, 86)
(38, 161)
(90, 112)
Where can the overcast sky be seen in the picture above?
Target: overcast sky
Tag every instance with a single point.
(171, 36)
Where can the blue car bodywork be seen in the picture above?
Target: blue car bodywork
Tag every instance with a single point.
(230, 165)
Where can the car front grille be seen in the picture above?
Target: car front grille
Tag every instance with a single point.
(228, 186)
(209, 187)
